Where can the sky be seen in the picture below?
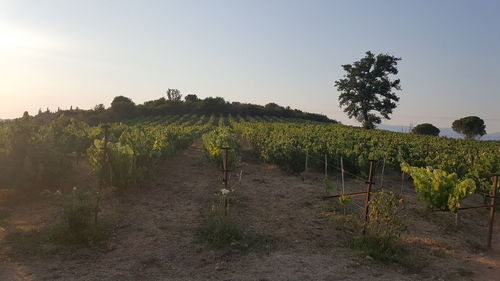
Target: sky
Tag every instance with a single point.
(82, 53)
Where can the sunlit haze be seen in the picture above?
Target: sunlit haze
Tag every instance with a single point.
(68, 53)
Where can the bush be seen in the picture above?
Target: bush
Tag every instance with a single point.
(220, 231)
(74, 227)
(384, 220)
(380, 238)
(78, 210)
(438, 189)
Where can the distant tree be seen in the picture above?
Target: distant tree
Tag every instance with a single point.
(215, 105)
(191, 98)
(426, 129)
(99, 108)
(26, 115)
(118, 99)
(367, 88)
(39, 111)
(470, 127)
(174, 95)
(123, 107)
(155, 103)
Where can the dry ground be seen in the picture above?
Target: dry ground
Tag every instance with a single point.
(156, 225)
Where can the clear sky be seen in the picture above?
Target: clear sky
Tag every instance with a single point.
(81, 53)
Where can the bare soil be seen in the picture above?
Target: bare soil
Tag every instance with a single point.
(155, 233)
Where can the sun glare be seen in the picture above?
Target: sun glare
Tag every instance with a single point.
(15, 38)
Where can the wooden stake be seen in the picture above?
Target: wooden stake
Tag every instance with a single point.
(326, 167)
(369, 189)
(342, 173)
(492, 209)
(225, 179)
(402, 184)
(307, 158)
(382, 176)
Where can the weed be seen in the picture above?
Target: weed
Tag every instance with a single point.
(220, 231)
(382, 249)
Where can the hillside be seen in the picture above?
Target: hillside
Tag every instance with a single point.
(123, 108)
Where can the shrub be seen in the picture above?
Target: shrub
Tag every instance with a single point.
(438, 189)
(384, 220)
(380, 237)
(78, 210)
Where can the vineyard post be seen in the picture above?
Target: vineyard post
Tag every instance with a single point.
(342, 172)
(103, 167)
(402, 183)
(492, 208)
(225, 179)
(343, 190)
(369, 188)
(382, 176)
(326, 167)
(307, 158)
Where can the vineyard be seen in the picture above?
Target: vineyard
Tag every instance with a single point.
(40, 157)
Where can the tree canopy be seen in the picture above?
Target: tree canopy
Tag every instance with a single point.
(174, 95)
(367, 88)
(470, 127)
(123, 107)
(191, 98)
(426, 129)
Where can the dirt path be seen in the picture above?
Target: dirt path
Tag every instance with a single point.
(155, 238)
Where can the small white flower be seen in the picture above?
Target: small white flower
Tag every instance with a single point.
(224, 191)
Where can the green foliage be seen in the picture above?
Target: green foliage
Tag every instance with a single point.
(78, 210)
(330, 186)
(74, 227)
(384, 219)
(220, 231)
(285, 144)
(34, 153)
(470, 127)
(344, 200)
(123, 108)
(426, 129)
(219, 137)
(381, 250)
(438, 189)
(380, 240)
(174, 95)
(132, 151)
(367, 87)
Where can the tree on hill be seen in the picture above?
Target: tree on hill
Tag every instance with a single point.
(367, 88)
(470, 127)
(191, 98)
(99, 108)
(123, 107)
(174, 95)
(426, 129)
